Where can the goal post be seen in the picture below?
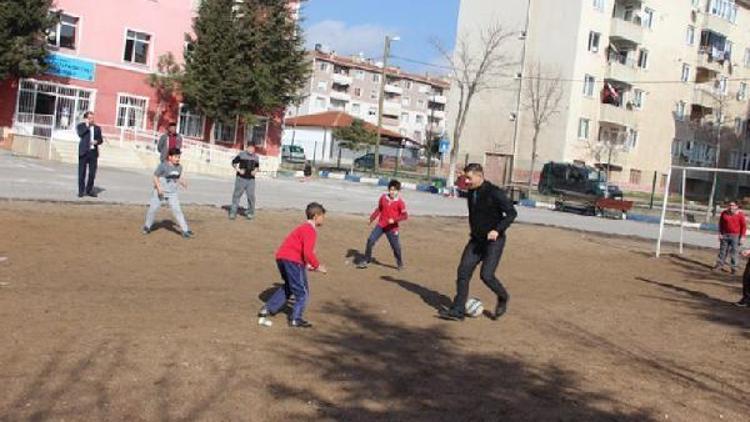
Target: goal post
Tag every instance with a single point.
(682, 171)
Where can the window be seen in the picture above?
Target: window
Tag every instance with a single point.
(131, 112)
(599, 5)
(376, 77)
(136, 47)
(372, 112)
(323, 67)
(356, 109)
(663, 181)
(359, 74)
(648, 18)
(594, 38)
(322, 85)
(643, 59)
(225, 132)
(404, 117)
(190, 123)
(747, 57)
(635, 177)
(725, 9)
(420, 103)
(320, 103)
(357, 92)
(722, 85)
(690, 35)
(256, 134)
(742, 91)
(419, 119)
(632, 140)
(680, 110)
(583, 128)
(676, 148)
(64, 33)
(588, 86)
(409, 84)
(638, 99)
(373, 94)
(685, 72)
(406, 101)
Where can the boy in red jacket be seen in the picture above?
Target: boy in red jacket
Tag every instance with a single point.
(294, 257)
(390, 211)
(732, 229)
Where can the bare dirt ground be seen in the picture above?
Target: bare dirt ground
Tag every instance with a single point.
(98, 322)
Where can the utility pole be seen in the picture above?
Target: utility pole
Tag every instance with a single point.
(430, 123)
(381, 99)
(517, 122)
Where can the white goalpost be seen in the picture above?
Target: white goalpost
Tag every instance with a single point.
(665, 202)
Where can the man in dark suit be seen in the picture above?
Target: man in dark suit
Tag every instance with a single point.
(88, 153)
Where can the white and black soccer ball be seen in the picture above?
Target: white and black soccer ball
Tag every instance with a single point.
(474, 307)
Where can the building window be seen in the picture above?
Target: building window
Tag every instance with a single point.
(643, 59)
(404, 117)
(599, 5)
(648, 18)
(722, 85)
(680, 110)
(376, 77)
(406, 101)
(420, 103)
(409, 84)
(322, 86)
(131, 112)
(225, 132)
(419, 119)
(357, 92)
(356, 109)
(320, 103)
(64, 33)
(635, 177)
(632, 140)
(65, 102)
(588, 86)
(685, 72)
(190, 123)
(359, 74)
(663, 181)
(725, 9)
(372, 112)
(594, 38)
(583, 128)
(676, 148)
(136, 47)
(638, 99)
(256, 134)
(690, 35)
(323, 67)
(373, 94)
(747, 57)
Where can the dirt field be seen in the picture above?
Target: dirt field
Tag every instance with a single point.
(99, 322)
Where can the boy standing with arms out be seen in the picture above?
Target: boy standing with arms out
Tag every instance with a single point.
(294, 257)
(732, 229)
(167, 179)
(390, 211)
(246, 163)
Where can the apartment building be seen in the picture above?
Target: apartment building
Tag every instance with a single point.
(414, 105)
(649, 79)
(101, 56)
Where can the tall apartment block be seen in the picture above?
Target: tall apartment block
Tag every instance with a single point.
(652, 77)
(414, 104)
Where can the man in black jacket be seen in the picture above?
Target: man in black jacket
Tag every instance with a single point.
(491, 212)
(88, 153)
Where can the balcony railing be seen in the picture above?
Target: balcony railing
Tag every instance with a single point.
(620, 116)
(626, 31)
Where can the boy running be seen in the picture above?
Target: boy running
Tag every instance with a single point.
(390, 211)
(167, 179)
(294, 257)
(246, 164)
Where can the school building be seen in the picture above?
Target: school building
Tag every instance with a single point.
(101, 54)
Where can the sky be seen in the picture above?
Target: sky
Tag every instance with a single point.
(354, 26)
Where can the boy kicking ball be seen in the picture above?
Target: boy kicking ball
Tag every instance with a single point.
(390, 211)
(167, 180)
(295, 256)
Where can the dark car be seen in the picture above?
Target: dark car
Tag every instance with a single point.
(576, 186)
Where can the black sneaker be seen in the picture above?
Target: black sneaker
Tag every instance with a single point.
(363, 264)
(743, 304)
(188, 234)
(80, 194)
(145, 230)
(299, 323)
(93, 194)
(451, 314)
(400, 267)
(501, 308)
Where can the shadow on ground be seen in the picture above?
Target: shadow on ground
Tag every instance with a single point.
(395, 372)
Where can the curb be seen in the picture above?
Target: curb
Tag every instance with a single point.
(382, 181)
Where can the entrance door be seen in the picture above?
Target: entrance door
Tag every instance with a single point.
(497, 167)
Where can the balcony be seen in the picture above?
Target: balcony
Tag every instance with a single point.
(341, 79)
(713, 64)
(393, 89)
(391, 109)
(439, 99)
(717, 24)
(618, 116)
(341, 96)
(622, 69)
(626, 32)
(437, 114)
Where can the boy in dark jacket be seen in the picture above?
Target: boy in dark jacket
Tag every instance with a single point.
(246, 163)
(390, 211)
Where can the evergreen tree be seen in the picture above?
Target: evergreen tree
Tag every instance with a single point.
(209, 83)
(23, 45)
(165, 82)
(355, 137)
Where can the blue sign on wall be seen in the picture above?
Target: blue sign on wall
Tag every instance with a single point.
(444, 146)
(69, 67)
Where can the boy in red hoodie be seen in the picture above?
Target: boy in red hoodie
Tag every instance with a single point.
(294, 257)
(732, 229)
(390, 211)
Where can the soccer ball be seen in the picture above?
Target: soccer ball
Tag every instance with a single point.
(474, 307)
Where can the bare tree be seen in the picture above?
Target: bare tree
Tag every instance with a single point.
(607, 148)
(543, 96)
(472, 66)
(720, 101)
(166, 82)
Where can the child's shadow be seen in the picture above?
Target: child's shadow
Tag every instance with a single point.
(358, 257)
(167, 225)
(266, 294)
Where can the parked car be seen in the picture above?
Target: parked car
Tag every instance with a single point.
(367, 161)
(576, 186)
(292, 153)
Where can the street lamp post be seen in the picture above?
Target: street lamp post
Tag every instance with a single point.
(381, 99)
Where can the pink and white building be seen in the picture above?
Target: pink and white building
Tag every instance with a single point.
(102, 54)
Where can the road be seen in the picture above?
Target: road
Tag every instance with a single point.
(31, 179)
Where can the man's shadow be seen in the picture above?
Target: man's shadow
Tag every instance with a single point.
(434, 299)
(356, 256)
